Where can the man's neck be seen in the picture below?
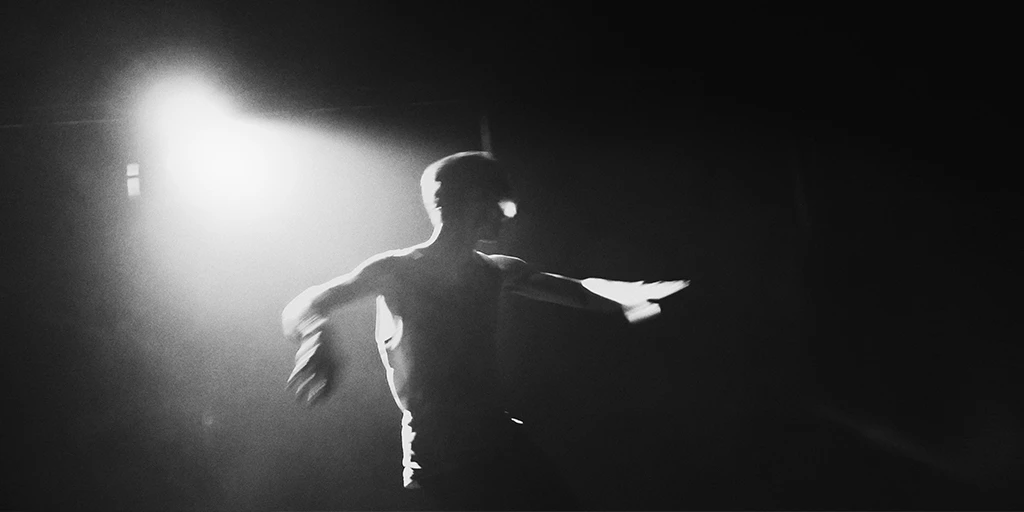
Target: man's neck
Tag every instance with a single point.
(451, 245)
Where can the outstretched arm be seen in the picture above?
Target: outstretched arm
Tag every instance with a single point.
(639, 299)
(636, 300)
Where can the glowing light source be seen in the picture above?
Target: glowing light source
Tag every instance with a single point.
(508, 208)
(214, 159)
(178, 107)
(221, 172)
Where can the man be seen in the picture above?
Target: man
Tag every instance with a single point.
(437, 307)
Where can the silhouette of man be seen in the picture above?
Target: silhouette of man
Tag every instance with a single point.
(437, 309)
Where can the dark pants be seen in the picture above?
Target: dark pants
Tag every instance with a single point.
(517, 476)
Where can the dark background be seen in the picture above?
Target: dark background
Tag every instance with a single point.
(836, 188)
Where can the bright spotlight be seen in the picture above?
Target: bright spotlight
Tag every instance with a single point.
(182, 106)
(216, 161)
(222, 173)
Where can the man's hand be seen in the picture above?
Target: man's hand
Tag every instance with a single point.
(315, 367)
(315, 370)
(639, 300)
(298, 320)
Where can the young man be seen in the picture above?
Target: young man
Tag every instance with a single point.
(437, 307)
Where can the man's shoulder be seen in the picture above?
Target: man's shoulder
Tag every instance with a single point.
(387, 260)
(508, 265)
(503, 260)
(395, 256)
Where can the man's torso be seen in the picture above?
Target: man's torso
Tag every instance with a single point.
(441, 357)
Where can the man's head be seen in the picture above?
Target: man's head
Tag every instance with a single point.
(468, 190)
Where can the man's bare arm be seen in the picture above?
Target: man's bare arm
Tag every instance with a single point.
(303, 321)
(563, 290)
(307, 312)
(637, 300)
